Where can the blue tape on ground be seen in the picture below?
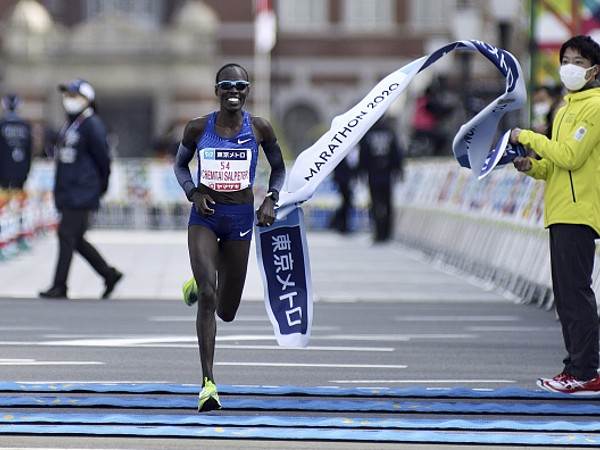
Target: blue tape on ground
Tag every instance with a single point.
(308, 422)
(563, 409)
(287, 434)
(327, 391)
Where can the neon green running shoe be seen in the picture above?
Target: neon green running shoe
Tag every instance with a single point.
(190, 292)
(208, 399)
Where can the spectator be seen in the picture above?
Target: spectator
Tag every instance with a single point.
(428, 134)
(343, 177)
(15, 146)
(546, 100)
(381, 158)
(82, 173)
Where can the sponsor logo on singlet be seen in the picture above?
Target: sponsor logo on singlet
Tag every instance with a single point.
(225, 169)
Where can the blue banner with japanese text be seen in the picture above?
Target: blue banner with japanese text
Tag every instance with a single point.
(283, 260)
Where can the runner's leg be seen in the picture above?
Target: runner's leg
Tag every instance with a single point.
(204, 252)
(233, 265)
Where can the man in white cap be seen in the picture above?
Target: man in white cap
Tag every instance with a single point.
(82, 173)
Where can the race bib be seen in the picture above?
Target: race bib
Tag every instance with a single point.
(225, 169)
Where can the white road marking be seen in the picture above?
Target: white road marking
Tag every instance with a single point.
(416, 297)
(235, 327)
(192, 318)
(246, 337)
(457, 318)
(315, 347)
(27, 328)
(420, 381)
(78, 336)
(345, 366)
(351, 337)
(120, 342)
(33, 362)
(111, 383)
(272, 347)
(512, 329)
(392, 337)
(184, 342)
(62, 448)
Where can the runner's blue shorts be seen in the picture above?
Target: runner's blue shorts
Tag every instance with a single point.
(229, 222)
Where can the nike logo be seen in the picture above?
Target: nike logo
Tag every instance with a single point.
(243, 141)
(244, 233)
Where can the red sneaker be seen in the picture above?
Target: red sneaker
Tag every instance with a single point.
(560, 377)
(571, 385)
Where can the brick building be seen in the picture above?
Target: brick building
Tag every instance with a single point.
(153, 61)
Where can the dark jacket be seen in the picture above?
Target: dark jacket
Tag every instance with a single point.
(82, 165)
(380, 154)
(15, 151)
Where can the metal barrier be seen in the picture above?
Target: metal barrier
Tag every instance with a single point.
(22, 218)
(492, 229)
(144, 194)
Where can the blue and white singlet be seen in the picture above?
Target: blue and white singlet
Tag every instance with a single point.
(227, 166)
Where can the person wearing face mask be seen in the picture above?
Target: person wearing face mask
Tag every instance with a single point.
(542, 105)
(569, 163)
(81, 178)
(226, 143)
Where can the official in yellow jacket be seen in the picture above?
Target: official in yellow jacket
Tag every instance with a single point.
(570, 166)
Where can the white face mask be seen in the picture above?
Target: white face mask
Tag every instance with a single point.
(74, 105)
(573, 77)
(541, 109)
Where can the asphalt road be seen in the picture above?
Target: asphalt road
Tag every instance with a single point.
(353, 344)
(384, 317)
(383, 344)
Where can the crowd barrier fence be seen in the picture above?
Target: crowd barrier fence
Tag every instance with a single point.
(23, 217)
(490, 228)
(144, 194)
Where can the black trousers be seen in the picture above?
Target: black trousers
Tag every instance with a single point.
(381, 210)
(73, 225)
(341, 218)
(572, 250)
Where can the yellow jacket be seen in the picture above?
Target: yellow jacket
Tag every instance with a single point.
(570, 162)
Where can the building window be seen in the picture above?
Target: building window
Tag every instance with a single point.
(302, 15)
(301, 126)
(144, 12)
(369, 15)
(431, 14)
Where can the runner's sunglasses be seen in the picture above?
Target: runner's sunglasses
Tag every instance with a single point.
(240, 85)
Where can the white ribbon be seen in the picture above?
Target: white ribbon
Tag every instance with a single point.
(291, 318)
(471, 145)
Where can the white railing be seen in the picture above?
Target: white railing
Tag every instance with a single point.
(491, 228)
(23, 217)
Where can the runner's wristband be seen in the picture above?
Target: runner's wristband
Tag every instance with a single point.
(273, 195)
(190, 194)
